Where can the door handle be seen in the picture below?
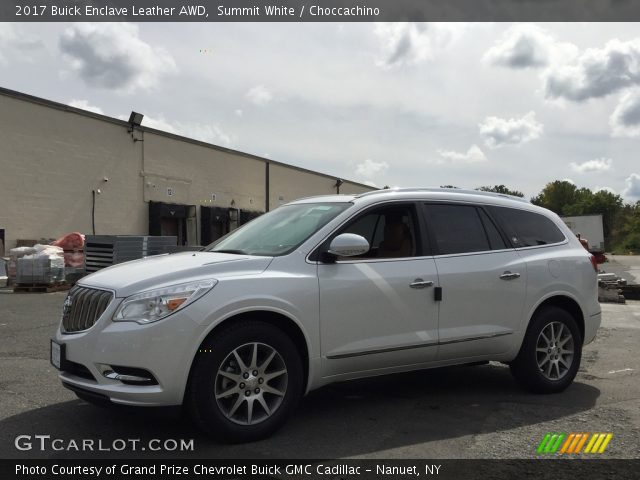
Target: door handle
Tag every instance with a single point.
(419, 283)
(509, 276)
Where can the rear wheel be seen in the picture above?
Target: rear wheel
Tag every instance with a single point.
(550, 355)
(245, 382)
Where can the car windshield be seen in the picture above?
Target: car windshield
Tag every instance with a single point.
(280, 231)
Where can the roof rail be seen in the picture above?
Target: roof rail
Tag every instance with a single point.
(435, 189)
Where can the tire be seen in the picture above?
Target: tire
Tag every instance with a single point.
(245, 382)
(550, 355)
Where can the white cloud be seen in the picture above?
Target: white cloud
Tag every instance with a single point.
(112, 56)
(210, 133)
(238, 112)
(259, 95)
(568, 180)
(473, 155)
(369, 169)
(597, 165)
(159, 123)
(14, 41)
(632, 191)
(522, 46)
(596, 72)
(409, 43)
(625, 119)
(207, 133)
(498, 132)
(525, 46)
(84, 105)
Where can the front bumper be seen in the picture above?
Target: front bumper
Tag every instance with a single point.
(165, 349)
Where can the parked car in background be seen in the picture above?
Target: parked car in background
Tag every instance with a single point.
(333, 288)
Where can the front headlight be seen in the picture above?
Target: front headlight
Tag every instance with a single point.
(151, 306)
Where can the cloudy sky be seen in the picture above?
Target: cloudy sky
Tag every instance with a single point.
(388, 104)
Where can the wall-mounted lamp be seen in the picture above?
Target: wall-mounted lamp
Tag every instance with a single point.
(135, 119)
(337, 185)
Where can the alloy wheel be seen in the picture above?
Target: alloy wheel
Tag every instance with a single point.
(251, 383)
(554, 350)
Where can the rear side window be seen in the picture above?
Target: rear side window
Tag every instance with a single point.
(457, 229)
(527, 229)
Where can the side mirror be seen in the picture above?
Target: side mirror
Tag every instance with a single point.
(348, 245)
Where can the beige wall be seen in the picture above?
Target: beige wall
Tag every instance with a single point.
(198, 172)
(289, 183)
(52, 157)
(51, 160)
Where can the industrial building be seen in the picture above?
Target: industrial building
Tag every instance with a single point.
(63, 169)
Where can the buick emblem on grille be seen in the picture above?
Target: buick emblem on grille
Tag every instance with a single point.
(66, 306)
(83, 307)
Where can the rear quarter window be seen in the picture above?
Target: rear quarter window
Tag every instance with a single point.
(527, 229)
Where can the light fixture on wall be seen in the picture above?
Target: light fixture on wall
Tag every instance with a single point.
(339, 182)
(135, 120)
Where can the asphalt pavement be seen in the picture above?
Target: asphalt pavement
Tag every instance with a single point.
(463, 412)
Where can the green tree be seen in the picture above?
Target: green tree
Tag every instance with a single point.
(627, 230)
(564, 198)
(501, 189)
(556, 195)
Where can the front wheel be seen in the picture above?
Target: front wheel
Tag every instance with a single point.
(550, 355)
(245, 382)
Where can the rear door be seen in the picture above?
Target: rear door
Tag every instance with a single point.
(483, 281)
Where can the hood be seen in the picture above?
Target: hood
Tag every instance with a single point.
(170, 269)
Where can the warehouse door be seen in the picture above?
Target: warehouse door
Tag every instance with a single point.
(215, 223)
(248, 215)
(168, 219)
(172, 227)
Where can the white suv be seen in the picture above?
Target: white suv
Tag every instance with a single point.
(332, 288)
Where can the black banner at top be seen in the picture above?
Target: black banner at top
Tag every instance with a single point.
(318, 10)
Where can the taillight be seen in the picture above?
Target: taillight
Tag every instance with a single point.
(594, 262)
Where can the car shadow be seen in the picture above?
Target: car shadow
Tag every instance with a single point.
(357, 418)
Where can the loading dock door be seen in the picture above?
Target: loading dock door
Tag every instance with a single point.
(172, 219)
(214, 223)
(248, 215)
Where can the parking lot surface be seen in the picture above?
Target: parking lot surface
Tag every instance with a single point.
(464, 412)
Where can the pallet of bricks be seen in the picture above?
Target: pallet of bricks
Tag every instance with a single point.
(38, 269)
(610, 288)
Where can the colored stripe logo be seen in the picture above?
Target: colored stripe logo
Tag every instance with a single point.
(574, 443)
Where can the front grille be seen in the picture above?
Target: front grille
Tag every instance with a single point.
(83, 308)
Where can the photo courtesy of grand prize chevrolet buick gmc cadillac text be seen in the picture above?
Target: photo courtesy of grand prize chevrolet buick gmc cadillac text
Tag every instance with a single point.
(332, 288)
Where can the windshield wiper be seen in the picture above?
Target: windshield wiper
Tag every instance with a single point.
(238, 252)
